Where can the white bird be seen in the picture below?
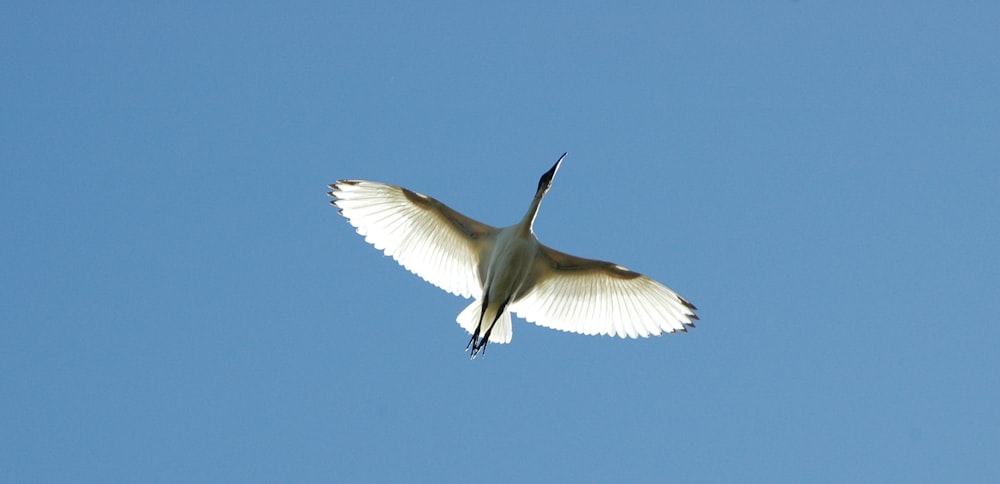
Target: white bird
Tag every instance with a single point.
(507, 269)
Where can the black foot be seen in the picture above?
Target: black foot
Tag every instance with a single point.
(478, 345)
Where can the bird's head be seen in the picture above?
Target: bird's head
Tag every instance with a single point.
(545, 182)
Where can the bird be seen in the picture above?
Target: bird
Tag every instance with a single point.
(507, 270)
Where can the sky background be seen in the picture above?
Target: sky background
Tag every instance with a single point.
(180, 303)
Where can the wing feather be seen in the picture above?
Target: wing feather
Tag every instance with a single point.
(426, 237)
(595, 297)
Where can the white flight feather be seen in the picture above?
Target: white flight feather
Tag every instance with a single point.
(595, 297)
(418, 232)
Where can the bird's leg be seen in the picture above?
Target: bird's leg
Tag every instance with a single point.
(486, 338)
(482, 343)
(478, 345)
(474, 342)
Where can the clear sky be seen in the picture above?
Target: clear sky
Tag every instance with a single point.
(180, 303)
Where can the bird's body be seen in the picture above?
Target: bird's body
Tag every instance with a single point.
(508, 269)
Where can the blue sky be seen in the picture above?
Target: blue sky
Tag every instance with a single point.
(180, 303)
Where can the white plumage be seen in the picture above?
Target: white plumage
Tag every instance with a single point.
(508, 270)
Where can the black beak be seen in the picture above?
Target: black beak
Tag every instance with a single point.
(546, 180)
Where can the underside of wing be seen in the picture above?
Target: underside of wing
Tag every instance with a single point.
(426, 237)
(595, 297)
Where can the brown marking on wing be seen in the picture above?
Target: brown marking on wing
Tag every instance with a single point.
(561, 261)
(470, 228)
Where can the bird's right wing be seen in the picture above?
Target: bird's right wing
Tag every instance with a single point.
(426, 237)
(596, 297)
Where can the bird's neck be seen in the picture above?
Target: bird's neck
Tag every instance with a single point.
(528, 222)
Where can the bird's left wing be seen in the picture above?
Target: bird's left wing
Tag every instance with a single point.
(426, 237)
(596, 297)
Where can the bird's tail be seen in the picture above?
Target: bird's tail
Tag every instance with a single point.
(469, 319)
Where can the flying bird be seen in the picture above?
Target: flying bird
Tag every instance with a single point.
(507, 269)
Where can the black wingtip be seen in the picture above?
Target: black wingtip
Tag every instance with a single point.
(687, 303)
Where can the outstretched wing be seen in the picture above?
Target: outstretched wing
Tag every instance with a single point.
(595, 297)
(426, 237)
